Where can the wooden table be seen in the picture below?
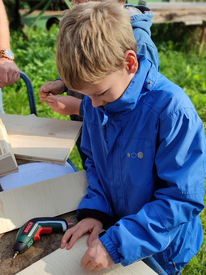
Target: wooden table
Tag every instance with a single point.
(47, 244)
(189, 13)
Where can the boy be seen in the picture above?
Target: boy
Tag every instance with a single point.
(145, 145)
(141, 20)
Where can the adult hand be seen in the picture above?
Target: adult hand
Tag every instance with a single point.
(9, 72)
(84, 226)
(97, 257)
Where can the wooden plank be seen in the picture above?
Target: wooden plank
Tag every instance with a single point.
(189, 13)
(41, 139)
(173, 12)
(8, 162)
(64, 261)
(49, 198)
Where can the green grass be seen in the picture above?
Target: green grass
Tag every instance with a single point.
(36, 57)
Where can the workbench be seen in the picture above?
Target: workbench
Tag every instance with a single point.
(47, 244)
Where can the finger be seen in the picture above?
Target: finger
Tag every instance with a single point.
(14, 77)
(74, 238)
(46, 87)
(11, 78)
(85, 259)
(42, 97)
(90, 266)
(45, 90)
(99, 267)
(66, 238)
(94, 235)
(51, 98)
(79, 231)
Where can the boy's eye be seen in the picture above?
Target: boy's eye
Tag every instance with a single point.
(102, 94)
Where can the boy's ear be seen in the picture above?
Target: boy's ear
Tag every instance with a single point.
(131, 61)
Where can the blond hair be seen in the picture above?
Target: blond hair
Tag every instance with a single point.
(92, 42)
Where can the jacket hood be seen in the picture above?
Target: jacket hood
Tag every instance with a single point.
(142, 18)
(131, 96)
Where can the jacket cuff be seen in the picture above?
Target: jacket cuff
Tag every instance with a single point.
(110, 247)
(96, 214)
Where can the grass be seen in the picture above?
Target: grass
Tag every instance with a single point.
(36, 57)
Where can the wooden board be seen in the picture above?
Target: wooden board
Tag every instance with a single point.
(189, 13)
(49, 198)
(67, 262)
(8, 162)
(41, 139)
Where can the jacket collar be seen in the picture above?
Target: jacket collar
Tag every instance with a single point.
(145, 77)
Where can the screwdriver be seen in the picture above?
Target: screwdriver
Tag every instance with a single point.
(32, 230)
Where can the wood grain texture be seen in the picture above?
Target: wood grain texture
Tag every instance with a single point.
(67, 262)
(41, 139)
(170, 12)
(8, 162)
(49, 198)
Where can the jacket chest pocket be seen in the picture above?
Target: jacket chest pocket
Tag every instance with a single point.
(138, 155)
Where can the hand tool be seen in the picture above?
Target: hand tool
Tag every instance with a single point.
(32, 230)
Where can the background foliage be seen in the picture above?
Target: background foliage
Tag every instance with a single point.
(179, 62)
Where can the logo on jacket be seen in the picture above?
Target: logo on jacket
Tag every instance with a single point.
(134, 155)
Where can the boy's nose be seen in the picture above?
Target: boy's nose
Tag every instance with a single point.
(96, 102)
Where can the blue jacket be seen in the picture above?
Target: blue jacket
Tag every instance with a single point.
(141, 24)
(146, 171)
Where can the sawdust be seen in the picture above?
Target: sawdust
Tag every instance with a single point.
(47, 244)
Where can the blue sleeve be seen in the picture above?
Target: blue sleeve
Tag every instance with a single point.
(177, 201)
(95, 198)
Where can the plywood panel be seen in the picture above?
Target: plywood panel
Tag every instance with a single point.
(67, 262)
(47, 198)
(8, 162)
(41, 139)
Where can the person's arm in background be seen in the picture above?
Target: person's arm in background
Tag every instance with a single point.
(9, 71)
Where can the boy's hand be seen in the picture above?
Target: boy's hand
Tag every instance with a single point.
(84, 226)
(97, 257)
(64, 105)
(9, 72)
(54, 87)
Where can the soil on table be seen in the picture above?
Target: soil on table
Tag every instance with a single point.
(39, 249)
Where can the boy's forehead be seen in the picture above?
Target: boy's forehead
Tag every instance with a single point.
(103, 84)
